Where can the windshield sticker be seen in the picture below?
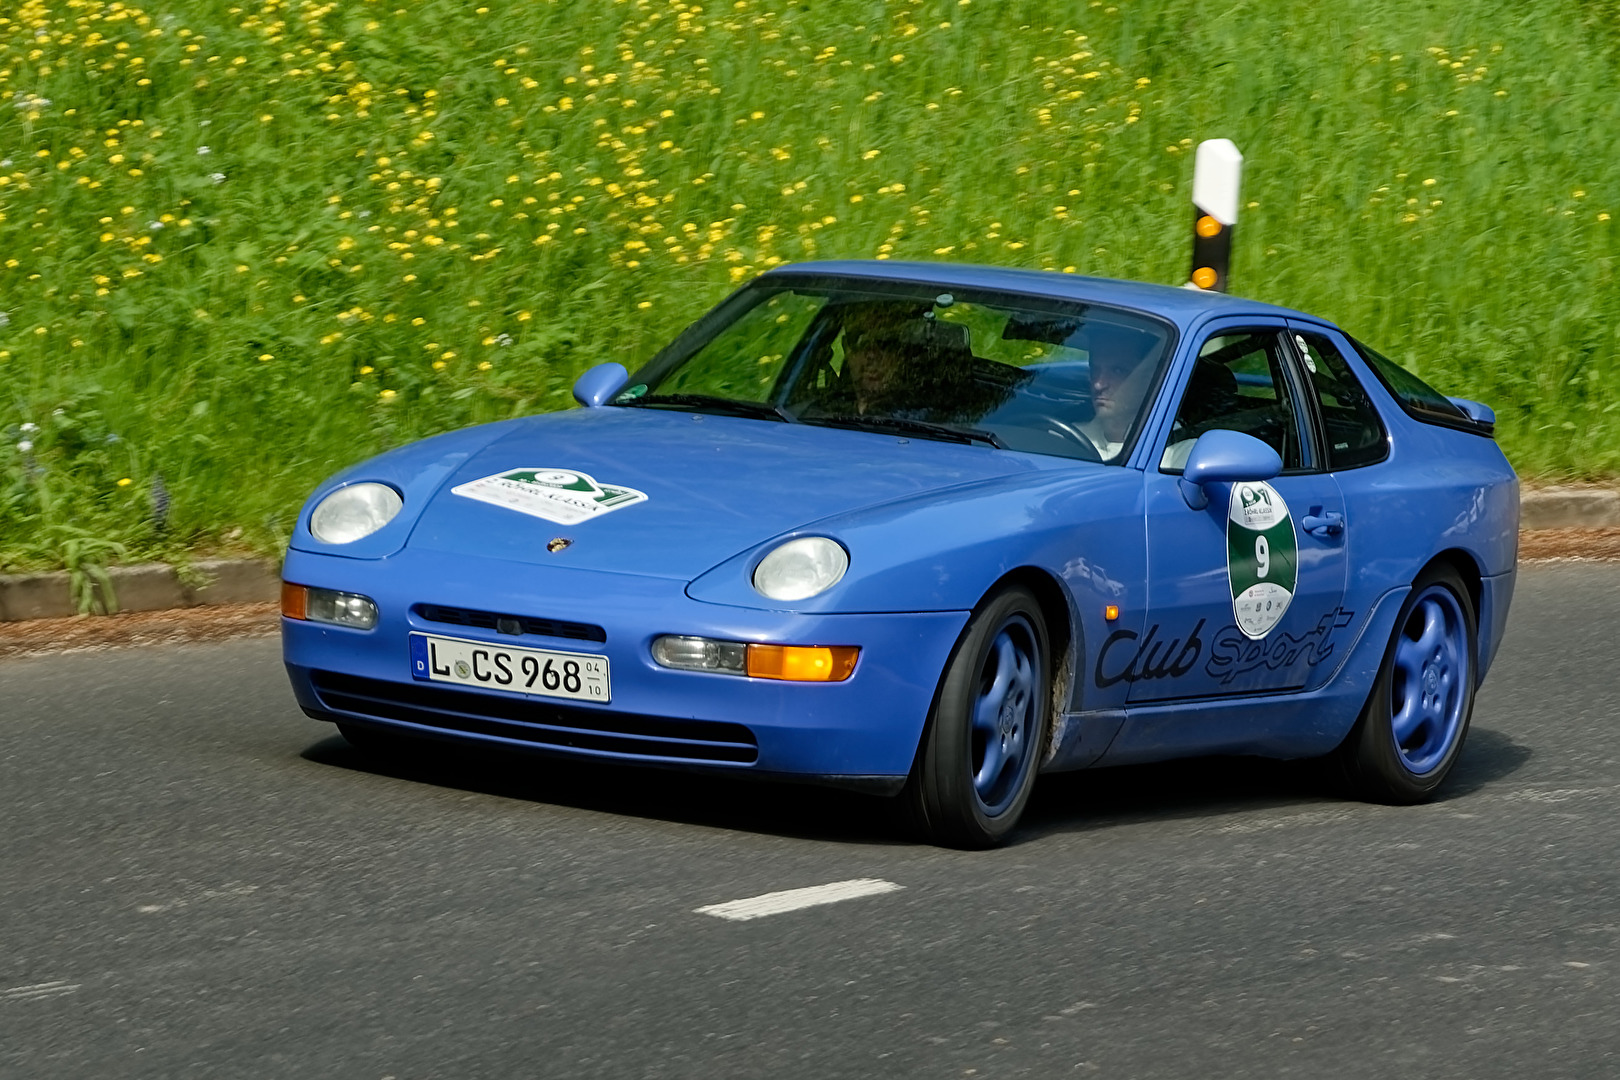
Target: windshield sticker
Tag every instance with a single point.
(1305, 351)
(561, 495)
(1262, 557)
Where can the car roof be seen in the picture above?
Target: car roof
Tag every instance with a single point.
(1182, 306)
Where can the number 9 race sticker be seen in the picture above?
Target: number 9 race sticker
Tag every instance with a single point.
(1262, 557)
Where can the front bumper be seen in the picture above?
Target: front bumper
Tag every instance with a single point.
(864, 730)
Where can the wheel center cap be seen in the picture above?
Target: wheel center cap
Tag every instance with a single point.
(1431, 679)
(1007, 720)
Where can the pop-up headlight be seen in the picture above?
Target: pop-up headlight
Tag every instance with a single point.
(354, 512)
(800, 569)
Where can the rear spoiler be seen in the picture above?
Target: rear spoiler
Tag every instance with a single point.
(1482, 418)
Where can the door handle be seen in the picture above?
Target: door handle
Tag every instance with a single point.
(1328, 524)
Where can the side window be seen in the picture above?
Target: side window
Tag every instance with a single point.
(1237, 384)
(1354, 434)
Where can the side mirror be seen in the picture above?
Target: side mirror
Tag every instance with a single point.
(1225, 457)
(594, 388)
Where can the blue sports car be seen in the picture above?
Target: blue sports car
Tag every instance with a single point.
(927, 531)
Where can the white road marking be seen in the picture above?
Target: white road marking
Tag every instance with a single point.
(776, 903)
(37, 991)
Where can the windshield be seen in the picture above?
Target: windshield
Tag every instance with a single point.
(1014, 372)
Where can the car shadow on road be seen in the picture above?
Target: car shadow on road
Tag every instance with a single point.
(1486, 757)
(799, 811)
(1063, 803)
(1198, 787)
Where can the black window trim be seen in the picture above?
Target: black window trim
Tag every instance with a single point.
(1311, 446)
(1309, 443)
(1460, 422)
(1314, 407)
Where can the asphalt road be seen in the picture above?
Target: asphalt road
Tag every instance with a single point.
(196, 880)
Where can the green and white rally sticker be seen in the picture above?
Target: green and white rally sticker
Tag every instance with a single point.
(1262, 557)
(565, 496)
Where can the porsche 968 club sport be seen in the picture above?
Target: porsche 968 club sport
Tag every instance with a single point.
(929, 531)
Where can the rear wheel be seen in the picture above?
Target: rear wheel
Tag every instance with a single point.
(979, 754)
(1412, 729)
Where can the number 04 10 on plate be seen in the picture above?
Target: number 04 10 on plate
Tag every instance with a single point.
(577, 676)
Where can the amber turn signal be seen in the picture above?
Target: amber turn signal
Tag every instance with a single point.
(294, 601)
(802, 663)
(1111, 612)
(328, 606)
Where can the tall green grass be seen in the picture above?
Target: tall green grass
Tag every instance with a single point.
(245, 244)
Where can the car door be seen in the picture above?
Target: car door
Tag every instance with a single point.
(1244, 595)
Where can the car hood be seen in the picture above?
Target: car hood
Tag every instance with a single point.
(676, 493)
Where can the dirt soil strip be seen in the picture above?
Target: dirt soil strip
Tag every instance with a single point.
(222, 622)
(1557, 545)
(218, 622)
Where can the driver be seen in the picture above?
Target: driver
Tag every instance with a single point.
(877, 359)
(1119, 381)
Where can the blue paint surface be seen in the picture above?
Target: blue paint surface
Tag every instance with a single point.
(931, 528)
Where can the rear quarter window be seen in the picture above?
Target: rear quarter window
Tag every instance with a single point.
(1419, 400)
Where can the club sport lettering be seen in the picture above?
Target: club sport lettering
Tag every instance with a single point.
(1233, 653)
(1124, 657)
(1145, 661)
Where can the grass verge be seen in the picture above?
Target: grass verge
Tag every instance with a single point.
(244, 244)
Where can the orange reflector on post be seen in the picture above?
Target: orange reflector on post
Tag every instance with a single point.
(1207, 226)
(294, 601)
(802, 663)
(1204, 277)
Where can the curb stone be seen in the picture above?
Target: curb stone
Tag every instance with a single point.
(149, 587)
(155, 587)
(1569, 508)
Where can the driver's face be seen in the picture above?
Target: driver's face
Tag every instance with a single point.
(1118, 384)
(874, 362)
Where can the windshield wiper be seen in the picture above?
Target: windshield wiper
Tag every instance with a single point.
(754, 410)
(891, 424)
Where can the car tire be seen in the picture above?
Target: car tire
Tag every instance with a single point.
(1413, 726)
(982, 746)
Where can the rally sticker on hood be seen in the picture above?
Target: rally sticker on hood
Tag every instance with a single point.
(561, 495)
(1262, 557)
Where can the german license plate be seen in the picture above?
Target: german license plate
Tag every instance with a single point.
(576, 676)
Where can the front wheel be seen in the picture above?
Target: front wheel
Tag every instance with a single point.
(980, 751)
(1413, 727)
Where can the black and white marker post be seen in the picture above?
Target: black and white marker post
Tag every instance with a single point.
(1217, 176)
